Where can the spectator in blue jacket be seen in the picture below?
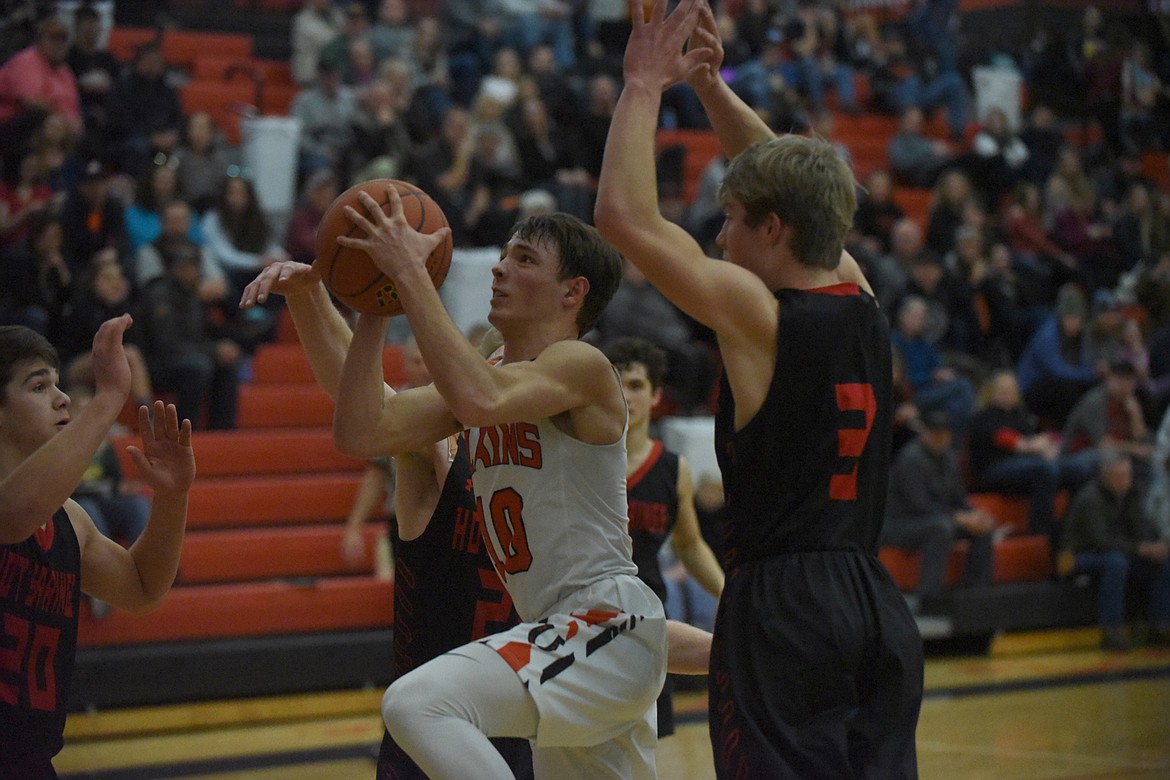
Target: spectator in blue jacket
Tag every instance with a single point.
(1052, 371)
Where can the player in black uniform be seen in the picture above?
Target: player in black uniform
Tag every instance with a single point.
(659, 489)
(816, 668)
(50, 550)
(446, 592)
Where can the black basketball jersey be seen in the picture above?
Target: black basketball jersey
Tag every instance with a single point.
(809, 471)
(40, 592)
(652, 493)
(446, 592)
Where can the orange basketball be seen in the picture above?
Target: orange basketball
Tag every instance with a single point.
(350, 274)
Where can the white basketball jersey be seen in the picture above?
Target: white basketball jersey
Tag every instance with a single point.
(554, 510)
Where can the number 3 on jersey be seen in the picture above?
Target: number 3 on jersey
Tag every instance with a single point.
(506, 513)
(852, 397)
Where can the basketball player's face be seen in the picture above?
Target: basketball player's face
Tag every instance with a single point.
(739, 241)
(34, 409)
(640, 394)
(525, 286)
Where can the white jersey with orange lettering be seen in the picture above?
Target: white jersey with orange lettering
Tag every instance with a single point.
(554, 510)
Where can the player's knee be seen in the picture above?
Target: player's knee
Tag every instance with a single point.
(403, 702)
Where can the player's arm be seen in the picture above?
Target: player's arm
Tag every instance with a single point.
(731, 300)
(687, 539)
(419, 485)
(688, 648)
(35, 489)
(137, 579)
(367, 422)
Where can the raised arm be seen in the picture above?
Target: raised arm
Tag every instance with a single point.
(42, 482)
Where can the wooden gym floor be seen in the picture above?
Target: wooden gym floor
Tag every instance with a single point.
(1036, 706)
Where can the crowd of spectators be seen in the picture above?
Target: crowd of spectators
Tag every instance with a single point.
(1037, 281)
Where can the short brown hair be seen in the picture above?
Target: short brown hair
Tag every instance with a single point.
(19, 344)
(803, 182)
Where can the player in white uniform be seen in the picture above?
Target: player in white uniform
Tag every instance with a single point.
(546, 434)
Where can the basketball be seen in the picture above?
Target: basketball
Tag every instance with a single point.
(349, 273)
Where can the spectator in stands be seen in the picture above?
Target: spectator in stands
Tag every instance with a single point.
(914, 158)
(952, 324)
(1008, 454)
(1107, 534)
(1053, 370)
(35, 82)
(890, 272)
(381, 143)
(1141, 231)
(316, 24)
(446, 168)
(1011, 315)
(185, 352)
(103, 292)
(146, 117)
(1158, 496)
(96, 71)
(1110, 415)
(319, 191)
(239, 236)
(23, 193)
(639, 310)
(927, 510)
(475, 31)
(877, 213)
(394, 30)
(337, 52)
(1142, 115)
(36, 279)
(204, 161)
(548, 158)
(1022, 221)
(935, 386)
(430, 72)
(92, 218)
(928, 77)
(326, 111)
(1078, 230)
(1044, 139)
(58, 160)
(998, 156)
(952, 195)
(157, 186)
(150, 263)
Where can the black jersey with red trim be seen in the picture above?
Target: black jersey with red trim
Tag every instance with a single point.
(446, 594)
(809, 471)
(40, 593)
(652, 494)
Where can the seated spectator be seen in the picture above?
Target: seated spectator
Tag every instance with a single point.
(1053, 371)
(102, 292)
(393, 29)
(93, 219)
(156, 188)
(890, 272)
(532, 22)
(1142, 117)
(1022, 221)
(336, 54)
(952, 196)
(1044, 139)
(1011, 315)
(185, 351)
(927, 510)
(150, 263)
(381, 143)
(35, 279)
(319, 192)
(35, 82)
(877, 213)
(238, 235)
(952, 324)
(1158, 496)
(316, 24)
(21, 196)
(205, 157)
(1141, 232)
(935, 385)
(914, 158)
(1107, 534)
(928, 76)
(96, 71)
(1009, 455)
(1079, 231)
(146, 117)
(326, 110)
(548, 158)
(446, 168)
(998, 156)
(1110, 415)
(56, 150)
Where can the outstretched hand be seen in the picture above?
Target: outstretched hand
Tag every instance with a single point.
(389, 239)
(708, 47)
(166, 460)
(283, 278)
(110, 367)
(655, 52)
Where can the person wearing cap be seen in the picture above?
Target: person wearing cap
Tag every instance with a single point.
(927, 511)
(1054, 371)
(35, 82)
(1111, 415)
(93, 219)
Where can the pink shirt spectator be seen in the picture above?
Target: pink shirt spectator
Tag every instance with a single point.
(29, 76)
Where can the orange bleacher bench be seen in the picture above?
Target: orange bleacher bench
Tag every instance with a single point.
(238, 555)
(256, 452)
(231, 502)
(286, 363)
(298, 405)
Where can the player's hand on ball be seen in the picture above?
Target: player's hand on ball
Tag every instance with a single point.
(389, 240)
(283, 278)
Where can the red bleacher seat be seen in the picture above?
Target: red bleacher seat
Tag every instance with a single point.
(224, 100)
(124, 41)
(182, 47)
(701, 147)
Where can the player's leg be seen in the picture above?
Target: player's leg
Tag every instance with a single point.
(443, 713)
(626, 757)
